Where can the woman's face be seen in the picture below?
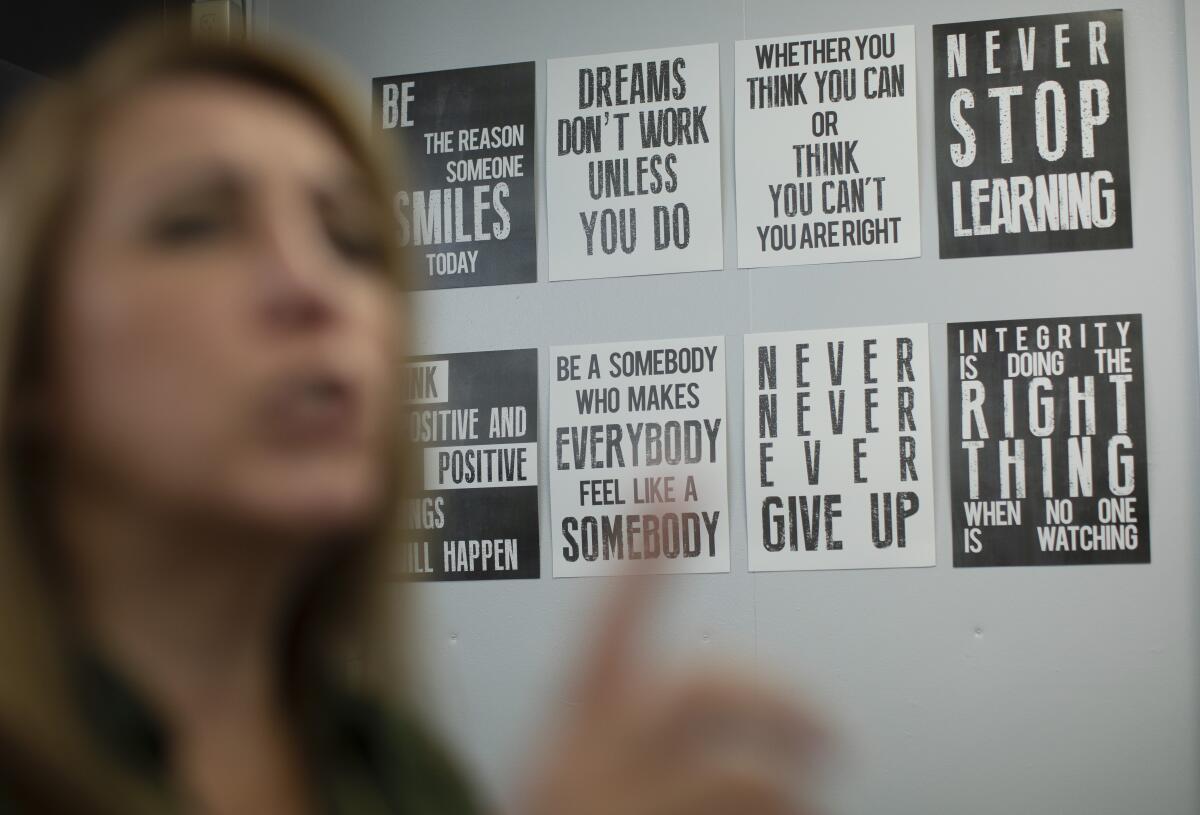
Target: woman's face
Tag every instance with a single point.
(224, 335)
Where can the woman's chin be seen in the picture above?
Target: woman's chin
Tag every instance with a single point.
(314, 507)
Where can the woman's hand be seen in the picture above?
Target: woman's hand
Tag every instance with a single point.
(706, 743)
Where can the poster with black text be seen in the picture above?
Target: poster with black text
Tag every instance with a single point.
(839, 461)
(633, 163)
(1032, 135)
(826, 148)
(1048, 442)
(466, 140)
(638, 442)
(473, 423)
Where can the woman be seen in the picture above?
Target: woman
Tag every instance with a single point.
(203, 326)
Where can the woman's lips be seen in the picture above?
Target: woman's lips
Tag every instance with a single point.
(312, 408)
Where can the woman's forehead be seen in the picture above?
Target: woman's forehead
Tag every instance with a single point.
(193, 119)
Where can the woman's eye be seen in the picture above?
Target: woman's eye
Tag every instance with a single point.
(186, 228)
(356, 245)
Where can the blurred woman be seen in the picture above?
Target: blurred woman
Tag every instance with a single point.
(202, 328)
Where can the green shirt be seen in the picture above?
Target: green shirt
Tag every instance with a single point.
(366, 758)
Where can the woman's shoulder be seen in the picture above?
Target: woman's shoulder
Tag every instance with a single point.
(385, 755)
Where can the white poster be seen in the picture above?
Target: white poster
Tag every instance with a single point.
(638, 443)
(839, 466)
(826, 148)
(633, 163)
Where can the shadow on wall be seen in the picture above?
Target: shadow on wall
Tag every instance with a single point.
(49, 37)
(14, 81)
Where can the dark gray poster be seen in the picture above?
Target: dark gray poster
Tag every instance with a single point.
(1048, 442)
(473, 423)
(466, 143)
(1032, 135)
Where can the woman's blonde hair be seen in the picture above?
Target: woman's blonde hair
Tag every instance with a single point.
(45, 753)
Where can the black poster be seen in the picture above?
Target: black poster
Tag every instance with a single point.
(1032, 135)
(1048, 442)
(466, 143)
(473, 423)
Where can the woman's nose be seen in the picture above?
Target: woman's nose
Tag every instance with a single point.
(297, 290)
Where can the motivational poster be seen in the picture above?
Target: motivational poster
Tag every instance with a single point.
(473, 422)
(1032, 135)
(638, 457)
(1048, 442)
(466, 140)
(826, 148)
(633, 163)
(839, 466)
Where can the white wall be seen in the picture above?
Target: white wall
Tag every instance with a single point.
(1019, 690)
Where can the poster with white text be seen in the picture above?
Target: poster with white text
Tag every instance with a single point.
(1031, 135)
(633, 163)
(826, 148)
(638, 455)
(472, 422)
(839, 462)
(1048, 442)
(466, 142)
